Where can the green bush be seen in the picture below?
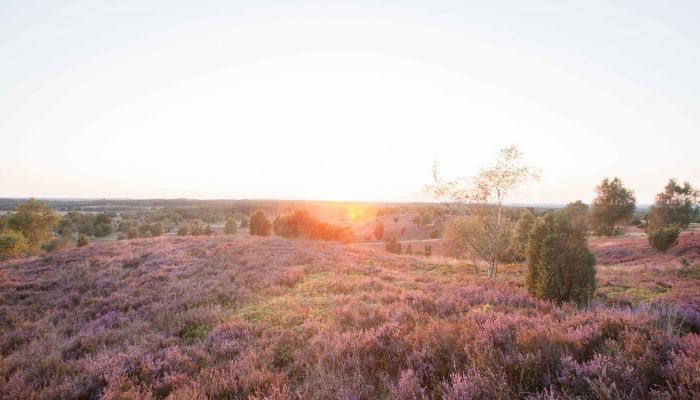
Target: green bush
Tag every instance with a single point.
(231, 227)
(560, 267)
(393, 245)
(83, 241)
(12, 244)
(661, 239)
(259, 225)
(132, 233)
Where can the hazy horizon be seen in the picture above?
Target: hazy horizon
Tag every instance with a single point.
(346, 101)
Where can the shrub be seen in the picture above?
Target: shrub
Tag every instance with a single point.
(183, 231)
(379, 229)
(393, 245)
(207, 231)
(259, 224)
(560, 267)
(231, 227)
(103, 229)
(132, 233)
(661, 239)
(57, 243)
(82, 241)
(35, 221)
(12, 244)
(302, 223)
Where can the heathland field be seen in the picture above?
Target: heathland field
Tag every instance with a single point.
(269, 318)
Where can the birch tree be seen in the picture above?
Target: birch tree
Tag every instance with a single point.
(483, 196)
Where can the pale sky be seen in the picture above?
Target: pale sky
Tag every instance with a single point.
(343, 100)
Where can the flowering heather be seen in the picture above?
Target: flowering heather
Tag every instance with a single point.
(268, 318)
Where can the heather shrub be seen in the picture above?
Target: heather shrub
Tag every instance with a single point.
(661, 239)
(259, 224)
(560, 266)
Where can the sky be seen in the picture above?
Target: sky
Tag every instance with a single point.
(332, 100)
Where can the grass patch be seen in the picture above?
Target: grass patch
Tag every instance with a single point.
(195, 332)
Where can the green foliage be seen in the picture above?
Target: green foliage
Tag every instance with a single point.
(57, 243)
(244, 221)
(150, 230)
(102, 218)
(86, 229)
(522, 234)
(12, 244)
(64, 227)
(132, 233)
(183, 231)
(393, 245)
(467, 236)
(422, 218)
(231, 227)
(379, 229)
(207, 231)
(259, 224)
(103, 229)
(577, 212)
(35, 221)
(83, 241)
(676, 206)
(613, 205)
(560, 267)
(661, 239)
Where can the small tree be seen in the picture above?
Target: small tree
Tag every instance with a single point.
(577, 212)
(35, 221)
(259, 224)
(244, 221)
(613, 205)
(183, 231)
(522, 233)
(82, 241)
(12, 244)
(231, 227)
(676, 206)
(661, 239)
(560, 267)
(379, 229)
(483, 196)
(393, 245)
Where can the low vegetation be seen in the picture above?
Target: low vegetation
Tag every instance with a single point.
(248, 317)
